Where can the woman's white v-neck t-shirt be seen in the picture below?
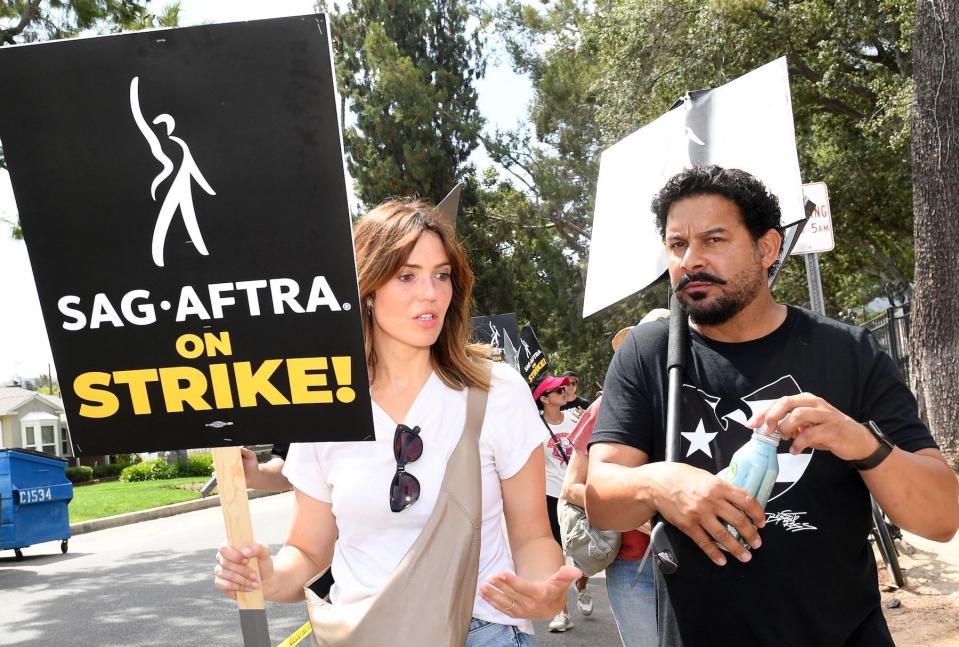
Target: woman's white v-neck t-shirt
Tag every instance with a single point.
(355, 477)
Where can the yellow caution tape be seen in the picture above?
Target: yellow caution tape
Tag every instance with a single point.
(297, 636)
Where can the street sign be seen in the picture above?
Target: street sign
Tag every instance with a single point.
(817, 235)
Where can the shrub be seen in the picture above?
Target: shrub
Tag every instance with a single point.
(155, 470)
(162, 470)
(79, 474)
(101, 471)
(126, 459)
(137, 472)
(197, 465)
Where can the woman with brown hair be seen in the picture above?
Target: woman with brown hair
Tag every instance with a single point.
(415, 287)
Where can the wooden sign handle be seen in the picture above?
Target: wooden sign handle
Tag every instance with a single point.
(236, 514)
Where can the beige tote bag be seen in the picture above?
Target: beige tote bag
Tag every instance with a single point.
(428, 600)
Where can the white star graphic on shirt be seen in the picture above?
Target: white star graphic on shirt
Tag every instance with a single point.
(699, 440)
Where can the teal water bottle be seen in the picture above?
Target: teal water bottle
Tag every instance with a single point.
(754, 467)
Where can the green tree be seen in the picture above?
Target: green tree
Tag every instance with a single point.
(555, 162)
(556, 167)
(16, 232)
(30, 21)
(523, 266)
(406, 70)
(604, 70)
(45, 384)
(935, 159)
(850, 68)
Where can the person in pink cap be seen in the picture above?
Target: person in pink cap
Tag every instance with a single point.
(550, 396)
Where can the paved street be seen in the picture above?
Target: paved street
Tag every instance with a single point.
(151, 584)
(144, 584)
(597, 630)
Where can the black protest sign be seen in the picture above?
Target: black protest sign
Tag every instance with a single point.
(500, 332)
(532, 360)
(183, 201)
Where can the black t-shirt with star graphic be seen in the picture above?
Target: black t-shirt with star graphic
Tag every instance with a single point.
(813, 581)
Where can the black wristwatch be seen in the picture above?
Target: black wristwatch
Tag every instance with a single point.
(878, 456)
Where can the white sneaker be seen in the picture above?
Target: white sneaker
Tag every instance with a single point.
(584, 601)
(560, 623)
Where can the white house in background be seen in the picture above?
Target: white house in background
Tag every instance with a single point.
(31, 420)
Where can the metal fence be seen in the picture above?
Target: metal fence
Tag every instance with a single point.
(891, 330)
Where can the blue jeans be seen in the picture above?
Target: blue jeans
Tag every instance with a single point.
(634, 608)
(488, 634)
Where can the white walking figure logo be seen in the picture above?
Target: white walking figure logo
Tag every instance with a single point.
(180, 193)
(691, 136)
(494, 336)
(688, 133)
(679, 153)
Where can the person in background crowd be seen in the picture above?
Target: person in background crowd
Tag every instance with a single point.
(632, 594)
(574, 401)
(267, 476)
(550, 396)
(804, 573)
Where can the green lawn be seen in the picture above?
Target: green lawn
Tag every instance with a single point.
(116, 497)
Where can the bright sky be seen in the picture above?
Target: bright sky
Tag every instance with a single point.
(24, 349)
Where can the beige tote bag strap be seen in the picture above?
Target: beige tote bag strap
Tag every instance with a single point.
(437, 575)
(463, 479)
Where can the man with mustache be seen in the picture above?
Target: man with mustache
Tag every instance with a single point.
(850, 428)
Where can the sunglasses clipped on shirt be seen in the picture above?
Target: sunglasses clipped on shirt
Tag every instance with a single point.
(407, 448)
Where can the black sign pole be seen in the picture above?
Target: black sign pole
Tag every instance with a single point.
(663, 550)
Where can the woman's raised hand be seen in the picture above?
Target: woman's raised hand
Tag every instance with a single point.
(521, 598)
(232, 572)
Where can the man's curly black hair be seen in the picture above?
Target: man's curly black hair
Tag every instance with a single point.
(758, 207)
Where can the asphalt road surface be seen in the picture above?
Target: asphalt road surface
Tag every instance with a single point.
(151, 584)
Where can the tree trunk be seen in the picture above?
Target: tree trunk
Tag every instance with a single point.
(934, 343)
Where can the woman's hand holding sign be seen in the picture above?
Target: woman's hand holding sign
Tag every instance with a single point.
(308, 550)
(232, 573)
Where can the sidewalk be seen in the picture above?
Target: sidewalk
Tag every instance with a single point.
(587, 631)
(925, 613)
(153, 513)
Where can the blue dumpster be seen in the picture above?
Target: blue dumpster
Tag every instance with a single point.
(34, 495)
